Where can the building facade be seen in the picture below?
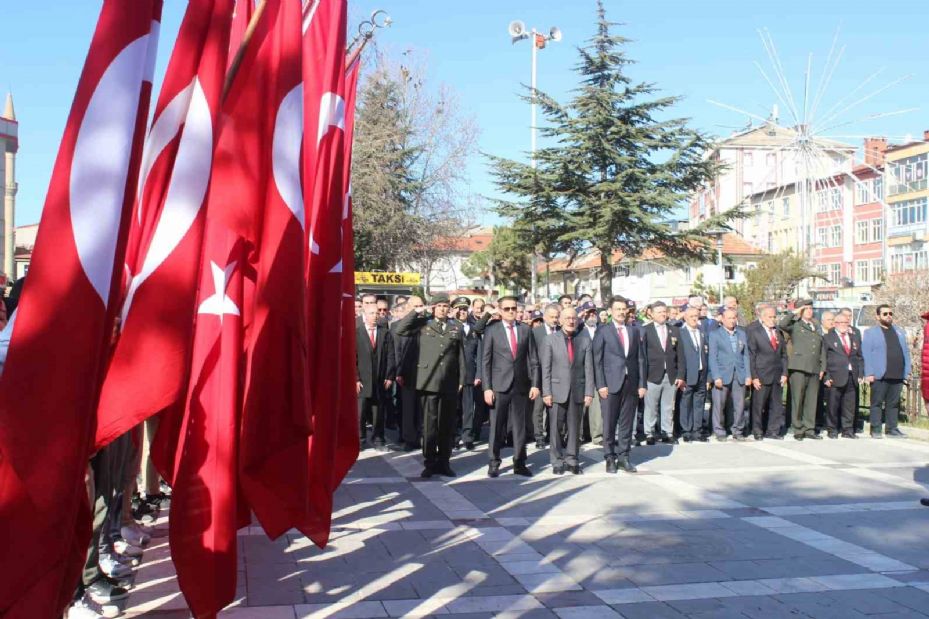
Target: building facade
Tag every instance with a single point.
(907, 194)
(9, 145)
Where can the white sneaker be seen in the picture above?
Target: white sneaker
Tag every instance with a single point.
(113, 568)
(134, 534)
(124, 548)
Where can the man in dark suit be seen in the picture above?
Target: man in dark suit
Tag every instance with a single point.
(374, 354)
(856, 337)
(660, 343)
(406, 352)
(767, 356)
(730, 374)
(509, 373)
(567, 387)
(844, 365)
(587, 312)
(619, 371)
(693, 366)
(472, 400)
(439, 380)
(540, 333)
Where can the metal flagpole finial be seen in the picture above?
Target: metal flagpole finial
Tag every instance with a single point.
(366, 29)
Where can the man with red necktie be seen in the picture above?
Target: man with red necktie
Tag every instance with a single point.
(376, 369)
(510, 374)
(767, 355)
(844, 365)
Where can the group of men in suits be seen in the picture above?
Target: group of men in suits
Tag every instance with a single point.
(462, 364)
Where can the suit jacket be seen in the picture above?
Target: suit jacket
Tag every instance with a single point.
(611, 364)
(660, 361)
(725, 363)
(689, 359)
(874, 351)
(767, 363)
(837, 362)
(560, 377)
(471, 341)
(500, 371)
(806, 343)
(377, 364)
(540, 334)
(406, 351)
(440, 365)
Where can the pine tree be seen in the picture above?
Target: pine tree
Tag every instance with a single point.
(613, 172)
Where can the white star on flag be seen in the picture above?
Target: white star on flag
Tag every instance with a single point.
(220, 304)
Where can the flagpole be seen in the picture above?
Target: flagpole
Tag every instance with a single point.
(240, 53)
(366, 30)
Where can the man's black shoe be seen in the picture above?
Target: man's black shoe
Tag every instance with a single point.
(627, 466)
(775, 437)
(815, 437)
(669, 440)
(103, 591)
(469, 446)
(702, 439)
(650, 440)
(687, 438)
(924, 502)
(849, 435)
(540, 444)
(576, 469)
(739, 438)
(758, 437)
(427, 472)
(721, 438)
(558, 469)
(445, 471)
(493, 471)
(522, 470)
(833, 435)
(410, 447)
(381, 447)
(895, 433)
(611, 465)
(877, 435)
(798, 437)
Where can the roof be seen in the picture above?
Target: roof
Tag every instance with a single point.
(733, 245)
(471, 242)
(775, 136)
(8, 112)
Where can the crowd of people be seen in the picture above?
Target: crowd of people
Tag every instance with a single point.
(570, 372)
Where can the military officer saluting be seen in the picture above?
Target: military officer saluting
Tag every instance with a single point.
(440, 374)
(804, 368)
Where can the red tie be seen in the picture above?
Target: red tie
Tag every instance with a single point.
(773, 339)
(570, 349)
(512, 340)
(371, 335)
(622, 340)
(845, 343)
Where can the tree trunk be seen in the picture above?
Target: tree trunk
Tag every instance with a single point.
(606, 277)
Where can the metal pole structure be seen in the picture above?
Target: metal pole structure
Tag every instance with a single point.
(719, 261)
(532, 142)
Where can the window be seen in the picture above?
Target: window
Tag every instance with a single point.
(730, 271)
(862, 192)
(747, 189)
(832, 273)
(877, 230)
(862, 271)
(878, 189)
(863, 232)
(748, 159)
(821, 237)
(786, 207)
(828, 200)
(877, 270)
(701, 204)
(770, 242)
(908, 174)
(835, 236)
(771, 161)
(909, 212)
(909, 261)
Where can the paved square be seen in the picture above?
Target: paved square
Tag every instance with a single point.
(827, 528)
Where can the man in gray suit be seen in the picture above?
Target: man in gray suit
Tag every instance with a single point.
(730, 373)
(540, 333)
(567, 387)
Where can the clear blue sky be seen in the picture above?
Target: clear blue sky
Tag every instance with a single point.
(700, 50)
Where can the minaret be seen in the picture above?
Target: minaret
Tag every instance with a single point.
(9, 144)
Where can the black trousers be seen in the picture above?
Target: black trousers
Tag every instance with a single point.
(842, 404)
(693, 411)
(885, 398)
(508, 405)
(411, 414)
(473, 410)
(372, 408)
(564, 425)
(619, 413)
(768, 399)
(439, 413)
(539, 412)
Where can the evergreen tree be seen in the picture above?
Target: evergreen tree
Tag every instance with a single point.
(613, 172)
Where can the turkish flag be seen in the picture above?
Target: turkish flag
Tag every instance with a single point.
(65, 317)
(242, 15)
(150, 363)
(325, 188)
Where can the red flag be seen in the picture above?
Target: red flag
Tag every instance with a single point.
(65, 317)
(149, 368)
(324, 161)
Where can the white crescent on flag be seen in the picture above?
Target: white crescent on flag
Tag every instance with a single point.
(219, 303)
(190, 178)
(100, 163)
(286, 151)
(331, 114)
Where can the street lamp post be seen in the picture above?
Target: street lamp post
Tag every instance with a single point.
(718, 235)
(518, 32)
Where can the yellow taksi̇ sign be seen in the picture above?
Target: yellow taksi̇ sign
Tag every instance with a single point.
(387, 279)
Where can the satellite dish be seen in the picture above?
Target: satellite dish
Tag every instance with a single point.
(517, 29)
(555, 34)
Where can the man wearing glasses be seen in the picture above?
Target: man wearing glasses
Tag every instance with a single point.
(843, 372)
(886, 366)
(510, 374)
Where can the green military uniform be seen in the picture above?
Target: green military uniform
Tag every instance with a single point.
(804, 365)
(440, 371)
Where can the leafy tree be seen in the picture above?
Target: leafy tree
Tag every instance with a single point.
(505, 261)
(614, 172)
(775, 278)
